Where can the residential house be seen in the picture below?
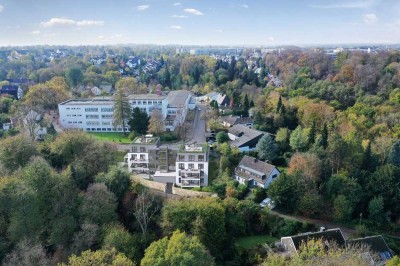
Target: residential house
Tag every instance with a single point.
(231, 120)
(192, 165)
(13, 90)
(292, 244)
(95, 91)
(222, 99)
(376, 245)
(244, 138)
(255, 173)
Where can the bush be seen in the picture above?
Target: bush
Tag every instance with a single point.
(168, 137)
(132, 136)
(259, 194)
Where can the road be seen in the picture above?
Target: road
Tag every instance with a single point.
(345, 230)
(199, 125)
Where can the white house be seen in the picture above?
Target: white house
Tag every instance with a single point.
(255, 173)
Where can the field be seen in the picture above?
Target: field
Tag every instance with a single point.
(116, 137)
(252, 241)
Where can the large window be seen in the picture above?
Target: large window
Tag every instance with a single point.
(192, 158)
(201, 158)
(92, 117)
(91, 109)
(107, 116)
(107, 109)
(181, 157)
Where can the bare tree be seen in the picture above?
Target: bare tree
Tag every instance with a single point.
(31, 119)
(156, 123)
(145, 208)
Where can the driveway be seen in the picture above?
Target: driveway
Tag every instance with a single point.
(199, 125)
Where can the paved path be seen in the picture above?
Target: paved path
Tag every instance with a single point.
(345, 230)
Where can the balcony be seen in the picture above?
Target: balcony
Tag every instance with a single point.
(191, 170)
(133, 159)
(140, 166)
(190, 183)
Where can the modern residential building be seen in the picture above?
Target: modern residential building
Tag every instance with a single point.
(192, 166)
(255, 173)
(244, 138)
(138, 159)
(96, 114)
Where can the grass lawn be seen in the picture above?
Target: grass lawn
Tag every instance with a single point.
(116, 137)
(252, 241)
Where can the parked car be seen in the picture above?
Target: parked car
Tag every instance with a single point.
(211, 143)
(268, 203)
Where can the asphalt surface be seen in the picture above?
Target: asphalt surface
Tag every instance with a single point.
(199, 125)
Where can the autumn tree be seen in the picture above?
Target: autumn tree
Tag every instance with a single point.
(145, 207)
(122, 110)
(156, 123)
(298, 139)
(307, 163)
(16, 151)
(179, 249)
(99, 257)
(47, 95)
(27, 253)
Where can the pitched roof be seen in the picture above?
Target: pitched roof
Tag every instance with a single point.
(244, 134)
(177, 98)
(331, 235)
(376, 244)
(256, 165)
(234, 120)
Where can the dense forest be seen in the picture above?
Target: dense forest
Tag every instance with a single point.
(335, 125)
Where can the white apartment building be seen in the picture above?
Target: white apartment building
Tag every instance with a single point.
(192, 166)
(139, 159)
(96, 115)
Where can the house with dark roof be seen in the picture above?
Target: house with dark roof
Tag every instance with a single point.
(244, 138)
(12, 90)
(331, 236)
(231, 120)
(376, 245)
(255, 173)
(220, 98)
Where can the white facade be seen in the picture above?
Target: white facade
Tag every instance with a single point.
(254, 183)
(96, 115)
(192, 166)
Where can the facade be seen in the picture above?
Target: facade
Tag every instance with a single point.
(255, 173)
(192, 166)
(140, 160)
(96, 115)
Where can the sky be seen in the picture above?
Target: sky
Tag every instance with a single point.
(199, 22)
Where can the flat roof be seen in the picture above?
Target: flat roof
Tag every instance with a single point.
(193, 148)
(93, 101)
(146, 97)
(178, 98)
(145, 140)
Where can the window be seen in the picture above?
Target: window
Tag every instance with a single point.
(191, 166)
(142, 149)
(107, 109)
(91, 109)
(92, 117)
(92, 123)
(139, 102)
(135, 149)
(201, 158)
(134, 102)
(154, 102)
(106, 123)
(159, 102)
(181, 157)
(181, 166)
(192, 158)
(201, 166)
(107, 116)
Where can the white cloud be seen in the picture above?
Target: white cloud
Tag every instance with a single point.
(218, 31)
(193, 11)
(69, 22)
(177, 4)
(349, 4)
(35, 32)
(142, 7)
(245, 6)
(179, 16)
(271, 39)
(176, 27)
(1, 8)
(370, 18)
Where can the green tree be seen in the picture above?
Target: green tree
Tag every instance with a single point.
(267, 148)
(122, 110)
(99, 257)
(324, 136)
(394, 154)
(342, 208)
(298, 140)
(222, 137)
(16, 151)
(74, 76)
(116, 236)
(284, 191)
(179, 249)
(139, 121)
(376, 211)
(99, 205)
(246, 103)
(279, 105)
(117, 181)
(312, 134)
